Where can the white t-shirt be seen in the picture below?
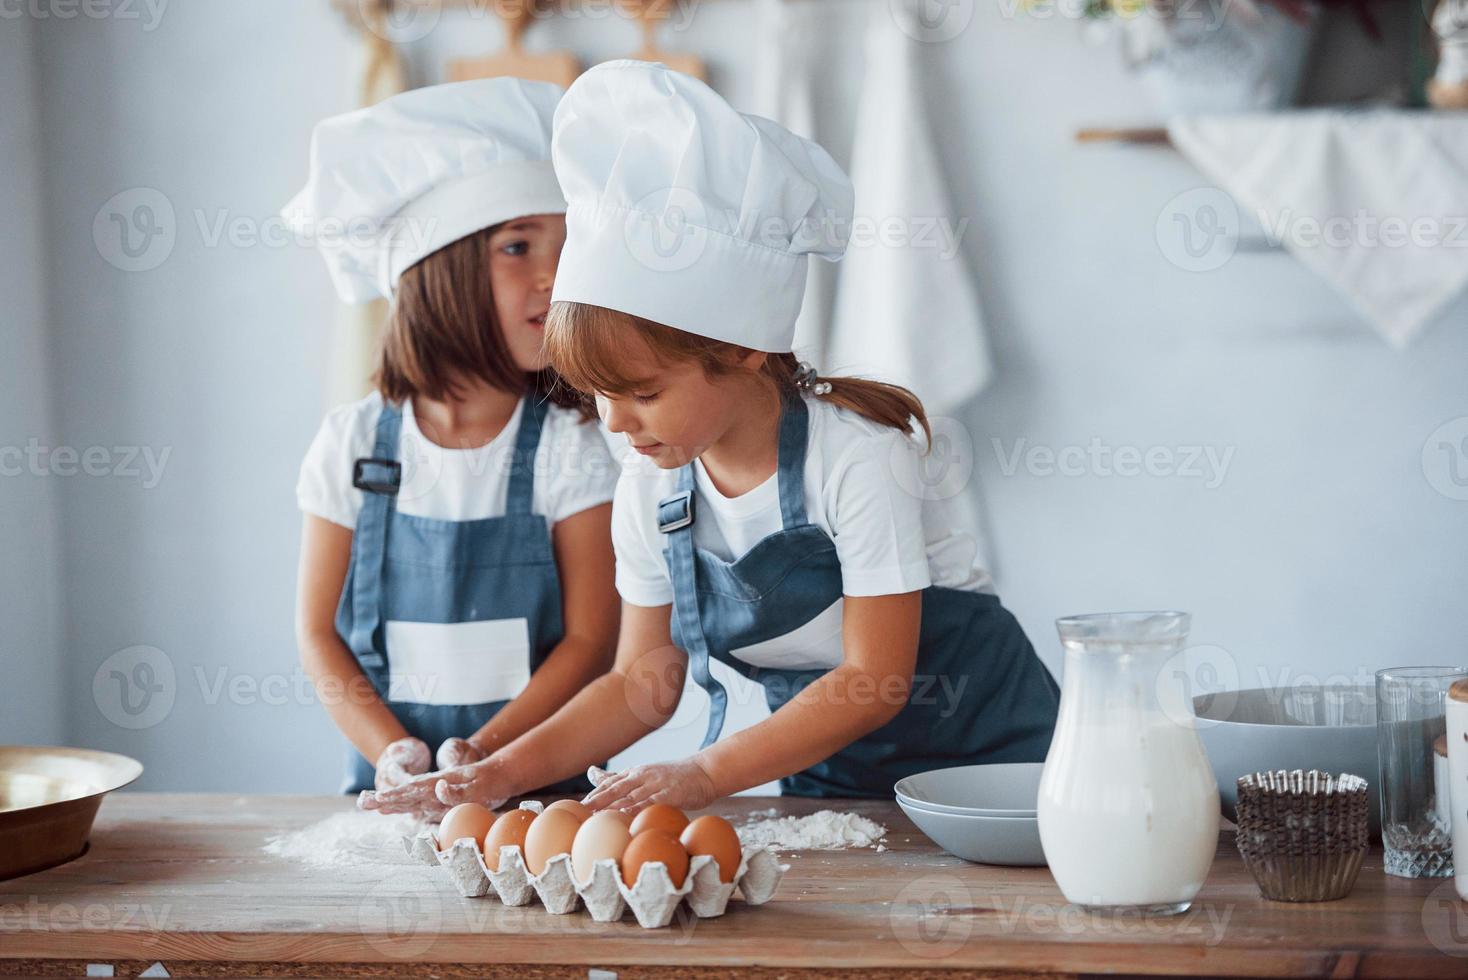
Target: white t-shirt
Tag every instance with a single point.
(574, 470)
(863, 487)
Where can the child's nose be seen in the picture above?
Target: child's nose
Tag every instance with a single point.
(613, 416)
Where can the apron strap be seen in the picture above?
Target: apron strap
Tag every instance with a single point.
(790, 466)
(521, 492)
(379, 476)
(675, 519)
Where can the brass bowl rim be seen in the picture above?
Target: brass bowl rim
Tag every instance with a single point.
(122, 770)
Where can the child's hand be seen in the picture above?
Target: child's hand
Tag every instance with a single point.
(432, 794)
(479, 782)
(455, 752)
(401, 761)
(413, 796)
(683, 784)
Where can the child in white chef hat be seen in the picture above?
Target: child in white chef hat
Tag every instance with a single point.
(456, 566)
(782, 529)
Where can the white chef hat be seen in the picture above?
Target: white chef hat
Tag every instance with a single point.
(686, 212)
(394, 182)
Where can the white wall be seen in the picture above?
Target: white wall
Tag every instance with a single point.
(1323, 550)
(31, 668)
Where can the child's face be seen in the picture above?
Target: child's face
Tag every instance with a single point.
(679, 411)
(522, 268)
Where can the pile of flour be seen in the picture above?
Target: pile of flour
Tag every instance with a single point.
(823, 831)
(354, 838)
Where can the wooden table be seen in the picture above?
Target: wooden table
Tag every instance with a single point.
(182, 879)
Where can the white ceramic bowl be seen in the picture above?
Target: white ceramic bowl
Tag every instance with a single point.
(1013, 841)
(1296, 727)
(1004, 790)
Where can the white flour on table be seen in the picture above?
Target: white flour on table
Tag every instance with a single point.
(353, 839)
(823, 831)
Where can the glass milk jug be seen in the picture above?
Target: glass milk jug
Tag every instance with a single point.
(1128, 806)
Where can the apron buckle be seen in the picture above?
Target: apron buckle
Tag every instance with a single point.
(675, 512)
(384, 478)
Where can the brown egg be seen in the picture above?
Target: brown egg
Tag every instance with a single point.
(603, 835)
(510, 828)
(550, 834)
(655, 844)
(714, 836)
(471, 820)
(581, 810)
(661, 816)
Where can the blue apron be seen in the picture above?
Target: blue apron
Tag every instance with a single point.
(979, 693)
(418, 570)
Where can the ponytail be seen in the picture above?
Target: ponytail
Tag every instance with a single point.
(877, 401)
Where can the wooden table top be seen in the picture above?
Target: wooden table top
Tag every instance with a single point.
(183, 879)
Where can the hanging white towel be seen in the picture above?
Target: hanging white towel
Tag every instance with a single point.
(1376, 202)
(906, 303)
(357, 331)
(787, 32)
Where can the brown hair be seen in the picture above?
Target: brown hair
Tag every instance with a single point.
(442, 328)
(584, 341)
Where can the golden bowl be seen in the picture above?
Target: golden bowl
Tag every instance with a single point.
(49, 796)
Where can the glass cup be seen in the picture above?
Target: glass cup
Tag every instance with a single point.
(1410, 716)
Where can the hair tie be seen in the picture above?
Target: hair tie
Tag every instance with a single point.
(806, 379)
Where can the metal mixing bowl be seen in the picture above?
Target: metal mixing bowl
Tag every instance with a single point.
(49, 796)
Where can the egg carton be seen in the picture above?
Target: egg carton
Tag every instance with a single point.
(652, 898)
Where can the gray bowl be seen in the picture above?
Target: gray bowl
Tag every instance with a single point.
(1013, 841)
(1002, 790)
(1332, 728)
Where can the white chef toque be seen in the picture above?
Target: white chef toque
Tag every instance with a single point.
(395, 182)
(686, 212)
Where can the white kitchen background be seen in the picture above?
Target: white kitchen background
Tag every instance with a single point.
(1321, 533)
